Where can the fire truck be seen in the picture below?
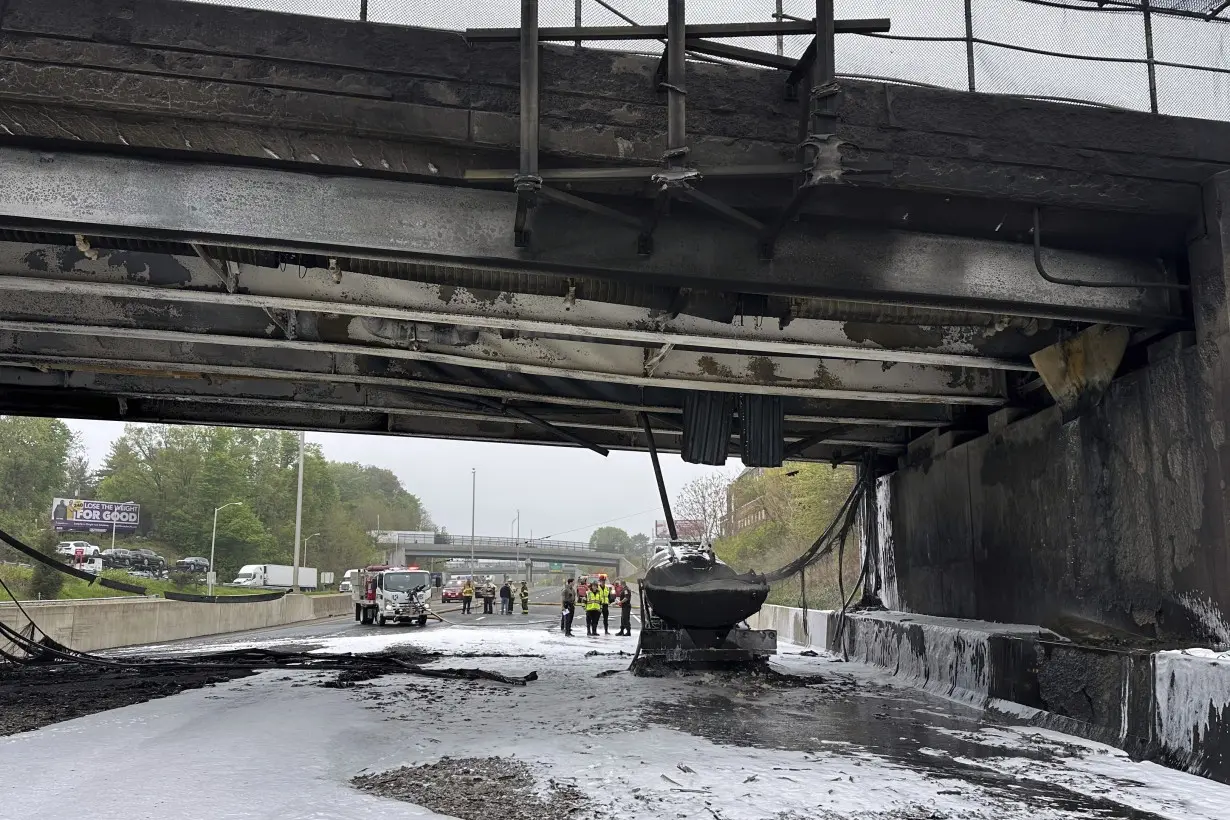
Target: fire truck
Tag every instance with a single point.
(384, 594)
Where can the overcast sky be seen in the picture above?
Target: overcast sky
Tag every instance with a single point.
(560, 491)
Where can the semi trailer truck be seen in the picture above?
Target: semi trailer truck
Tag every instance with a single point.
(274, 576)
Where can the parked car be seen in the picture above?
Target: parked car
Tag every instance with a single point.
(193, 564)
(148, 561)
(450, 592)
(117, 558)
(71, 548)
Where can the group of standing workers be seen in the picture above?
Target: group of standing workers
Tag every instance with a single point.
(508, 594)
(597, 598)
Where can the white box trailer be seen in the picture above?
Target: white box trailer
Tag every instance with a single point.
(274, 576)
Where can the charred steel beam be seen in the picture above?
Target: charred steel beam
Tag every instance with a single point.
(743, 55)
(385, 219)
(807, 337)
(712, 30)
(187, 409)
(637, 172)
(866, 382)
(401, 401)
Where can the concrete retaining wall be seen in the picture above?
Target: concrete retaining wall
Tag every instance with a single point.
(1170, 706)
(814, 631)
(89, 625)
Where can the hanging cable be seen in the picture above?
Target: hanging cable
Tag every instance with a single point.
(839, 526)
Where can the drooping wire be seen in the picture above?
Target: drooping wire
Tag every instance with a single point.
(838, 527)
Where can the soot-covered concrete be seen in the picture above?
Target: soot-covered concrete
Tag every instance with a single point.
(1112, 526)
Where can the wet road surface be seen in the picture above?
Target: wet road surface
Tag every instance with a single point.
(853, 746)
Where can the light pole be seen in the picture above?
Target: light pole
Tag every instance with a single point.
(294, 571)
(473, 507)
(212, 539)
(305, 543)
(517, 538)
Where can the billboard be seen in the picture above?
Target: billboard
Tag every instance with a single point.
(689, 529)
(81, 515)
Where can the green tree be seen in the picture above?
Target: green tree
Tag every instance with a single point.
(34, 457)
(181, 474)
(45, 581)
(788, 508)
(611, 539)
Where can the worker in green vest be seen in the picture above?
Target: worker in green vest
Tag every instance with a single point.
(593, 609)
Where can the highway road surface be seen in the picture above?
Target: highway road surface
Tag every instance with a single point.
(852, 744)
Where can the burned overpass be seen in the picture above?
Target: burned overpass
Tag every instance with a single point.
(228, 216)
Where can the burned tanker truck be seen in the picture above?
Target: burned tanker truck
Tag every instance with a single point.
(694, 609)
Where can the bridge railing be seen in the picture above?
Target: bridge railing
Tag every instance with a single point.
(1164, 56)
(498, 542)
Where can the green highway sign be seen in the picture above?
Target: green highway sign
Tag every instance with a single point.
(557, 566)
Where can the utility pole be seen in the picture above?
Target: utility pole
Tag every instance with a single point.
(294, 573)
(473, 507)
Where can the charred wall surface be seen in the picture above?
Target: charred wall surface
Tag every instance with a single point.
(1116, 519)
(1105, 519)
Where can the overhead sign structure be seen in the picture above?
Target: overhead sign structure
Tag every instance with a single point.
(688, 529)
(81, 515)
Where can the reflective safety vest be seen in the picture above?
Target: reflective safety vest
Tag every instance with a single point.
(605, 592)
(593, 600)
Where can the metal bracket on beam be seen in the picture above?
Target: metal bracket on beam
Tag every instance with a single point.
(719, 31)
(819, 162)
(527, 182)
(818, 145)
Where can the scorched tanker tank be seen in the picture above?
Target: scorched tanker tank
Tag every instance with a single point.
(688, 587)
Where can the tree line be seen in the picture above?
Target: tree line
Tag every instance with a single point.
(180, 474)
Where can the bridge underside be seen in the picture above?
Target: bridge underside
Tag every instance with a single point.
(155, 291)
(225, 216)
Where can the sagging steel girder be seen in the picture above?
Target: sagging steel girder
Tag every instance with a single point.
(787, 376)
(467, 227)
(85, 285)
(127, 397)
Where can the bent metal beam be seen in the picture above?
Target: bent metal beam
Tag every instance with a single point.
(804, 378)
(379, 218)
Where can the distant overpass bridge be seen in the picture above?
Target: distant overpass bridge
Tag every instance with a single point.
(509, 549)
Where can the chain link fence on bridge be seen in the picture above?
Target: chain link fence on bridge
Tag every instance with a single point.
(1165, 56)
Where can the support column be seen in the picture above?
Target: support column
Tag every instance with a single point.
(1206, 570)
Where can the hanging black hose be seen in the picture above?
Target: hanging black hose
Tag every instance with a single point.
(839, 526)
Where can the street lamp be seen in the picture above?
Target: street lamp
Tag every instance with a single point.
(305, 543)
(473, 506)
(213, 573)
(517, 542)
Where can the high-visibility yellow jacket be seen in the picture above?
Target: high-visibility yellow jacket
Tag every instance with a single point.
(593, 600)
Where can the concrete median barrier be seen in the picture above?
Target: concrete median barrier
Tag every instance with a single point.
(108, 623)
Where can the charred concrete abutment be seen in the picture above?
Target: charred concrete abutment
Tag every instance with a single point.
(1115, 521)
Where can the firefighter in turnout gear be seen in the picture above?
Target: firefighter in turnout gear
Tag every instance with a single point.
(593, 609)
